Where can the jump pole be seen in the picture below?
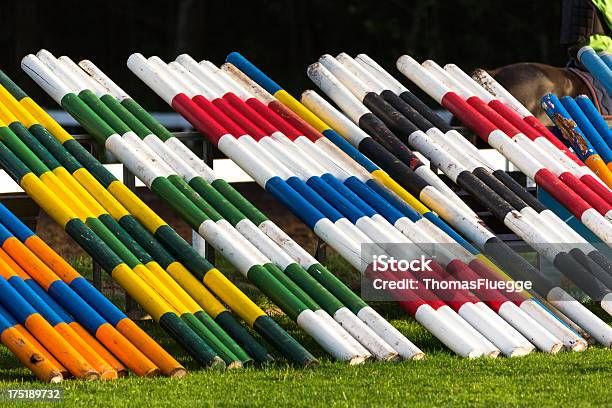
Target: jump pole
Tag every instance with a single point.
(18, 272)
(570, 186)
(596, 66)
(148, 242)
(473, 116)
(562, 233)
(598, 272)
(456, 144)
(189, 310)
(27, 352)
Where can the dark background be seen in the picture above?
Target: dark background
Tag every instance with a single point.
(281, 37)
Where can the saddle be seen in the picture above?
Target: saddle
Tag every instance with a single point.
(598, 94)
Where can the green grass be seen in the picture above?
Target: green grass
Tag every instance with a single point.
(568, 379)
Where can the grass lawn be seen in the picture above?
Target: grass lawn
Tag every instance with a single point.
(568, 379)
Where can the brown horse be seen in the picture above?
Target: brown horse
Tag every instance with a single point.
(529, 81)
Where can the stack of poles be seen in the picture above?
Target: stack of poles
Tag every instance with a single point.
(89, 324)
(25, 158)
(415, 136)
(497, 196)
(392, 217)
(599, 199)
(578, 129)
(439, 318)
(580, 344)
(571, 237)
(194, 273)
(592, 206)
(215, 331)
(474, 230)
(331, 332)
(476, 114)
(593, 173)
(596, 119)
(28, 350)
(524, 272)
(195, 330)
(598, 66)
(419, 225)
(198, 174)
(589, 205)
(455, 144)
(152, 170)
(54, 333)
